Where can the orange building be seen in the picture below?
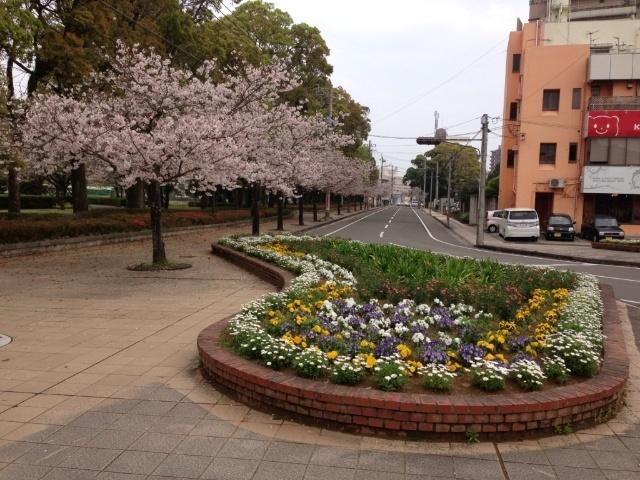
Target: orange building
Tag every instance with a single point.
(571, 120)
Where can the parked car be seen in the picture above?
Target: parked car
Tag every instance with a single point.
(560, 226)
(519, 223)
(601, 226)
(493, 220)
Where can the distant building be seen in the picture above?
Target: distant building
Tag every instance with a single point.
(494, 161)
(401, 192)
(571, 134)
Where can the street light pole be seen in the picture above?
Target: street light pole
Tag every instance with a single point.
(482, 215)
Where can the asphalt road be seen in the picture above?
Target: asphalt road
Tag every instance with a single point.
(409, 227)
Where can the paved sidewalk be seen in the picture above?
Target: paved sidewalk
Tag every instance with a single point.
(102, 382)
(579, 250)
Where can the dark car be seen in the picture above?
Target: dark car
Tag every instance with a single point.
(601, 226)
(560, 227)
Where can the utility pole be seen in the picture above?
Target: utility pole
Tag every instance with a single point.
(431, 192)
(482, 215)
(436, 116)
(451, 157)
(327, 198)
(438, 184)
(391, 198)
(381, 175)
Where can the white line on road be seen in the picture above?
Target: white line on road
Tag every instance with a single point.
(355, 221)
(381, 234)
(629, 301)
(619, 279)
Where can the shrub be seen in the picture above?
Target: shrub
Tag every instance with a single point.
(108, 201)
(276, 354)
(30, 202)
(489, 376)
(389, 374)
(346, 371)
(527, 374)
(311, 363)
(555, 369)
(437, 378)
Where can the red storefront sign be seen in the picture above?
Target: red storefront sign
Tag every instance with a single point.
(613, 123)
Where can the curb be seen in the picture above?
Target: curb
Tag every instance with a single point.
(537, 253)
(369, 411)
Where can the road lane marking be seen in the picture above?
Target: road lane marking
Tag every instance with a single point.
(629, 301)
(618, 278)
(354, 222)
(381, 234)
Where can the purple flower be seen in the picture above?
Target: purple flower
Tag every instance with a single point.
(518, 343)
(435, 351)
(519, 356)
(386, 347)
(469, 352)
(445, 321)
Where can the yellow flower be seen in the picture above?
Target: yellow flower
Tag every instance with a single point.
(275, 322)
(370, 362)
(500, 356)
(332, 355)
(453, 366)
(489, 357)
(403, 350)
(317, 328)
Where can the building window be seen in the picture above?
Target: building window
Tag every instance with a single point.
(617, 151)
(511, 158)
(515, 65)
(576, 98)
(547, 154)
(513, 111)
(551, 100)
(598, 150)
(633, 151)
(595, 89)
(573, 152)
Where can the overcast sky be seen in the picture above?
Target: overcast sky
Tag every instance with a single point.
(398, 58)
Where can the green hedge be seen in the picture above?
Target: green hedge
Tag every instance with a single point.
(110, 201)
(30, 201)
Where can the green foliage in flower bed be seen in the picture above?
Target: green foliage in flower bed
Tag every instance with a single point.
(391, 273)
(323, 325)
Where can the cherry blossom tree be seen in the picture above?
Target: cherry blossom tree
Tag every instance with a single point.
(144, 120)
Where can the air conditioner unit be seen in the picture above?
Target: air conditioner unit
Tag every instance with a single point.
(556, 183)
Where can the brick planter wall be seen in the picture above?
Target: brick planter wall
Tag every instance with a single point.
(372, 411)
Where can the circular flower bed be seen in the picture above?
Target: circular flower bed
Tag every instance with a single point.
(325, 325)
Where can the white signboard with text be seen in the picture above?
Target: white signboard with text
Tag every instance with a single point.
(605, 179)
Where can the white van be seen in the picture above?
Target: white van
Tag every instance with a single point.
(520, 223)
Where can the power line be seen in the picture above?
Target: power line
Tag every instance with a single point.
(441, 84)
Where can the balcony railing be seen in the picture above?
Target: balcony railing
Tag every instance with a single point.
(614, 103)
(578, 5)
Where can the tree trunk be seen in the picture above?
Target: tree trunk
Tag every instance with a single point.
(166, 195)
(79, 190)
(280, 226)
(204, 201)
(315, 206)
(135, 195)
(255, 211)
(14, 192)
(213, 203)
(159, 254)
(348, 204)
(339, 202)
(300, 211)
